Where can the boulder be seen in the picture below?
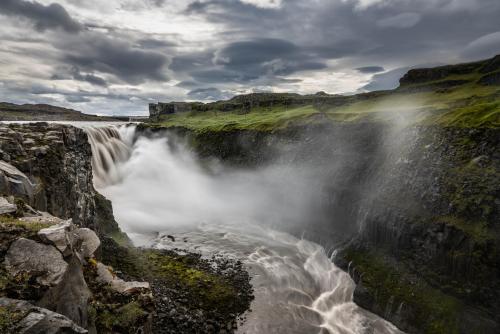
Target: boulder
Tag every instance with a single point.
(35, 320)
(60, 235)
(14, 182)
(89, 241)
(6, 207)
(36, 259)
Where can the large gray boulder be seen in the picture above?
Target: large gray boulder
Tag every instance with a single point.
(38, 320)
(60, 235)
(89, 241)
(14, 182)
(36, 259)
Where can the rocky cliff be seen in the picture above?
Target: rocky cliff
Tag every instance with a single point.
(57, 275)
(57, 161)
(414, 210)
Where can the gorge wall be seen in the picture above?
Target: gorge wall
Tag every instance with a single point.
(413, 210)
(57, 158)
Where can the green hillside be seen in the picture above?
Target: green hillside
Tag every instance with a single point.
(464, 95)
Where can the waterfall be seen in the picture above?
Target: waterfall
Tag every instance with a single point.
(111, 145)
(160, 188)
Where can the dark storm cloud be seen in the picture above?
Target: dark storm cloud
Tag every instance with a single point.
(102, 54)
(90, 78)
(44, 17)
(191, 61)
(244, 61)
(370, 69)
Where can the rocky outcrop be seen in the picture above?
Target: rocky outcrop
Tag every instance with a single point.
(29, 257)
(25, 318)
(56, 159)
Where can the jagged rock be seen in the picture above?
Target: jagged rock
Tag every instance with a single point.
(89, 241)
(38, 320)
(60, 236)
(104, 275)
(6, 207)
(44, 261)
(70, 296)
(14, 182)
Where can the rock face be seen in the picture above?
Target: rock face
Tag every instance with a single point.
(14, 182)
(419, 206)
(30, 319)
(57, 158)
(42, 261)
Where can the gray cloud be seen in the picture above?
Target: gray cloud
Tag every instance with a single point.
(403, 20)
(229, 46)
(44, 17)
(102, 54)
(90, 78)
(211, 93)
(370, 69)
(385, 81)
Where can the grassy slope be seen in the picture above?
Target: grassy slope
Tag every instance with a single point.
(467, 105)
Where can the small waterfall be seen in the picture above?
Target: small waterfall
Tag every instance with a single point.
(111, 145)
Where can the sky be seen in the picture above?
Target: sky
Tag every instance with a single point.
(116, 56)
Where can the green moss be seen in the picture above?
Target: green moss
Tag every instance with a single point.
(130, 314)
(426, 307)
(207, 289)
(8, 318)
(15, 222)
(477, 230)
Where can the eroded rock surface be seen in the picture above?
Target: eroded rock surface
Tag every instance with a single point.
(29, 319)
(36, 259)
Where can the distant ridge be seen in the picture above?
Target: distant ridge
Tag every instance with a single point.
(46, 112)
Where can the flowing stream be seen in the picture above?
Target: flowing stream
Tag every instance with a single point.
(164, 197)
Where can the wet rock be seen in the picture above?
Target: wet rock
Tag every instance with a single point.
(60, 236)
(36, 320)
(89, 241)
(36, 259)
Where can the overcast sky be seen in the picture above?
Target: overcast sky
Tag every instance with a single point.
(116, 56)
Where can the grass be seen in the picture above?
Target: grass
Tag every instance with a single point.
(262, 119)
(465, 105)
(15, 222)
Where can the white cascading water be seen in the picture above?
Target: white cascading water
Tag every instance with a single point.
(159, 190)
